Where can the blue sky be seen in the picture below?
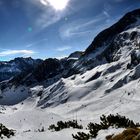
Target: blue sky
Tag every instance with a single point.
(55, 28)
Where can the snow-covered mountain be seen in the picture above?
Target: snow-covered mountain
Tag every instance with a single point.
(75, 55)
(102, 80)
(9, 69)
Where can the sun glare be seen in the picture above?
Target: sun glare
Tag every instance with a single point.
(56, 4)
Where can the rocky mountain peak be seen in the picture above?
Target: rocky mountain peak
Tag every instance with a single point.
(128, 21)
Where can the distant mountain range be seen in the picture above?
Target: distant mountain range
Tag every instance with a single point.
(9, 69)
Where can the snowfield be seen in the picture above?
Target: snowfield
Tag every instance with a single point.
(72, 98)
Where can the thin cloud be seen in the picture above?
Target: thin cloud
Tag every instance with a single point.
(63, 49)
(80, 28)
(15, 52)
(36, 43)
(106, 14)
(48, 15)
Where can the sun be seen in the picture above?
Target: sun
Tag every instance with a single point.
(56, 4)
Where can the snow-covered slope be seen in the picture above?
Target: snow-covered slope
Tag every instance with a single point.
(104, 81)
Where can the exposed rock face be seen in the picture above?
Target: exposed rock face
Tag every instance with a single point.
(48, 69)
(15, 67)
